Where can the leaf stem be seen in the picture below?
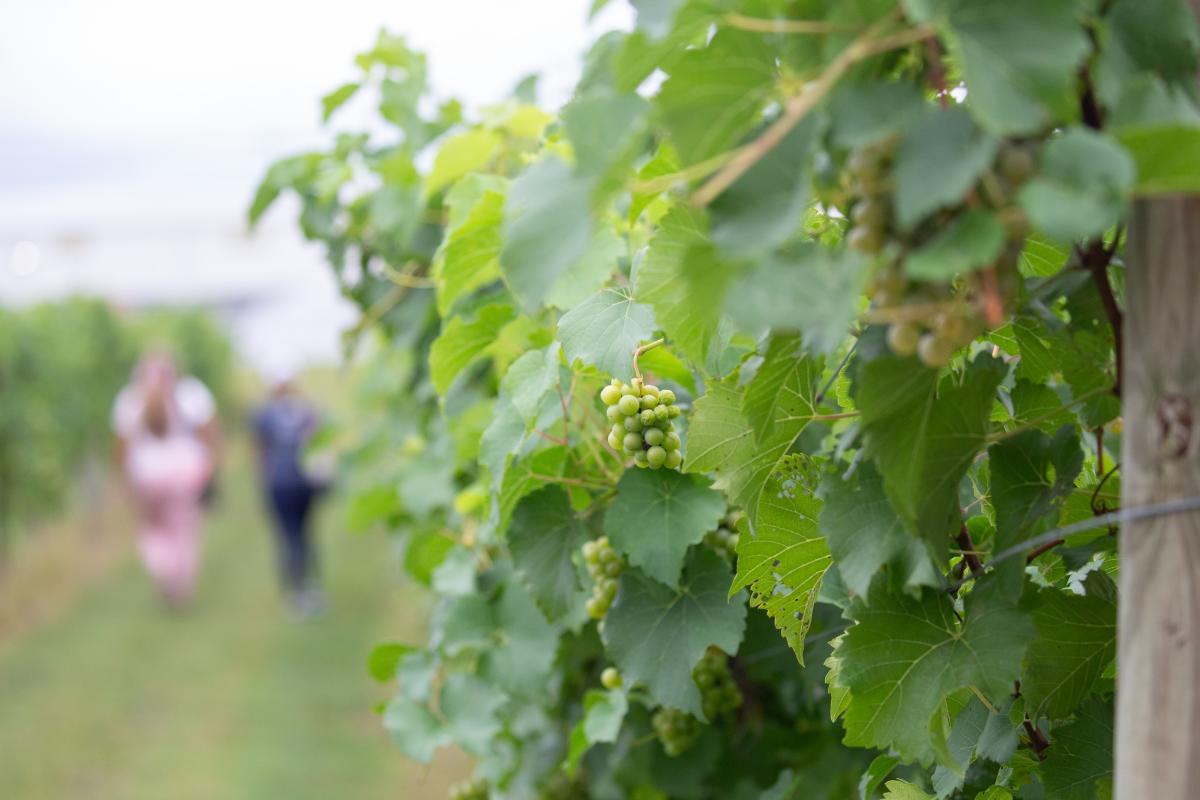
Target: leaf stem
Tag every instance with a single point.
(569, 481)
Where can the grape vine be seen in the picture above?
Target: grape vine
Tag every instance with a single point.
(857, 269)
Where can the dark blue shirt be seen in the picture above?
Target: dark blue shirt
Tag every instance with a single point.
(284, 426)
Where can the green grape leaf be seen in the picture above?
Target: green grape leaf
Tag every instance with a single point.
(603, 331)
(763, 208)
(547, 228)
(525, 478)
(1031, 474)
(656, 635)
(970, 242)
(467, 258)
(937, 163)
(1020, 61)
(995, 793)
(684, 280)
(924, 442)
(865, 112)
(1076, 640)
(865, 534)
(777, 294)
(381, 664)
(460, 343)
(603, 714)
(657, 515)
(589, 272)
(907, 655)
(522, 643)
(875, 774)
(903, 790)
(1080, 759)
(1082, 188)
(337, 98)
(713, 94)
(1159, 36)
(605, 128)
(544, 536)
(662, 363)
(783, 560)
(721, 438)
(414, 728)
(1167, 158)
(461, 155)
(469, 706)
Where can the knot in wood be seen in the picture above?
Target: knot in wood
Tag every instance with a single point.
(1174, 426)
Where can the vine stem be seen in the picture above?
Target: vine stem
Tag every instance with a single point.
(642, 348)
(803, 26)
(868, 43)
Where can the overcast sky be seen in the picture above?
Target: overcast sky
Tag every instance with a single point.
(133, 132)
(175, 104)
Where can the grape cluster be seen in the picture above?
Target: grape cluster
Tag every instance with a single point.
(931, 319)
(641, 417)
(718, 691)
(724, 540)
(472, 789)
(605, 567)
(676, 730)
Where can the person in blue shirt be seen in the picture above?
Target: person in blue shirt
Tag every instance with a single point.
(283, 426)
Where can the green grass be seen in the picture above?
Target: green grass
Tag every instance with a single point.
(118, 698)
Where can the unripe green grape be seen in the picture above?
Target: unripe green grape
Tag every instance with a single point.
(596, 608)
(650, 389)
(632, 442)
(610, 395)
(633, 425)
(671, 441)
(613, 413)
(629, 405)
(674, 459)
(639, 458)
(613, 569)
(654, 436)
(865, 240)
(618, 430)
(934, 351)
(656, 457)
(627, 390)
(673, 412)
(666, 397)
(637, 384)
(902, 337)
(611, 678)
(864, 165)
(648, 417)
(649, 400)
(591, 550)
(614, 442)
(954, 327)
(661, 413)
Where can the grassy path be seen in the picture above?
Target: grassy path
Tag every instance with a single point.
(117, 698)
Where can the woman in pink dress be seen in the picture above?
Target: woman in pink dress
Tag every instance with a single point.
(163, 422)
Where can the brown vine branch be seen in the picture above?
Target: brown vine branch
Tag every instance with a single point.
(869, 43)
(637, 351)
(970, 554)
(1037, 740)
(1095, 257)
(1037, 551)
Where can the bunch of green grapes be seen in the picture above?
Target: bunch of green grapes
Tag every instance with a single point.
(472, 789)
(927, 318)
(676, 730)
(641, 417)
(724, 540)
(718, 691)
(605, 567)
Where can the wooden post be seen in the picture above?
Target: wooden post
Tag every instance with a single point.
(1158, 697)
